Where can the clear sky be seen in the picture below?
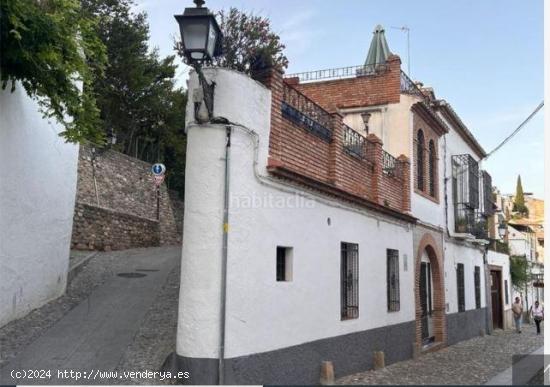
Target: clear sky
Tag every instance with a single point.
(485, 57)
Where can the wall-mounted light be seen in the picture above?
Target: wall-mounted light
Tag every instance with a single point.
(366, 117)
(201, 37)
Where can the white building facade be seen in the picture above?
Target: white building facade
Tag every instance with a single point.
(308, 239)
(275, 316)
(37, 195)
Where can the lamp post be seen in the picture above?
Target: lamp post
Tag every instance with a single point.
(502, 230)
(201, 37)
(111, 137)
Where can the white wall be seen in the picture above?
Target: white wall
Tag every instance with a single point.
(263, 215)
(521, 243)
(456, 253)
(37, 194)
(503, 261)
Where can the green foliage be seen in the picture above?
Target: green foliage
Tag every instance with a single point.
(248, 43)
(519, 272)
(137, 95)
(48, 46)
(519, 200)
(499, 246)
(461, 224)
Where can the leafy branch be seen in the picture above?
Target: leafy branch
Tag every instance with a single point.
(48, 46)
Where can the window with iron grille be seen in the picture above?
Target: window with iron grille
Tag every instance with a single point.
(420, 160)
(284, 263)
(460, 287)
(431, 168)
(477, 283)
(392, 279)
(349, 280)
(487, 194)
(466, 173)
(506, 300)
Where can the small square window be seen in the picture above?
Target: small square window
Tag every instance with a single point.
(284, 264)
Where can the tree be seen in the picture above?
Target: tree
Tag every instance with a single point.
(49, 46)
(519, 200)
(519, 272)
(137, 95)
(248, 43)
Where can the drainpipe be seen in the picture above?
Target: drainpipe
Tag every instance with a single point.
(488, 299)
(224, 257)
(488, 295)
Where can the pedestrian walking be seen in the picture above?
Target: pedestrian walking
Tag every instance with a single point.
(538, 315)
(517, 310)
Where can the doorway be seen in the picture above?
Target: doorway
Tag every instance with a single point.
(496, 298)
(426, 301)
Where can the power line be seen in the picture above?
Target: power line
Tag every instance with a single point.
(517, 130)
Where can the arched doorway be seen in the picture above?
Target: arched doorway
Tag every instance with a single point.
(429, 293)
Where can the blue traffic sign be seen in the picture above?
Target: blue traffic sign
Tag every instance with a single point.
(158, 169)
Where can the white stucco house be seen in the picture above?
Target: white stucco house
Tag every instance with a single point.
(523, 245)
(329, 215)
(37, 194)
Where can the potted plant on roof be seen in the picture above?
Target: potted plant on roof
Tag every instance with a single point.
(461, 225)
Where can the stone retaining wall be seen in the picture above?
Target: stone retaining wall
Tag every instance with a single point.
(96, 228)
(117, 204)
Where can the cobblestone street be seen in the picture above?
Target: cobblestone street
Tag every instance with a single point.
(472, 361)
(150, 338)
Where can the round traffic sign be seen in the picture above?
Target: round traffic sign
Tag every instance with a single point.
(158, 169)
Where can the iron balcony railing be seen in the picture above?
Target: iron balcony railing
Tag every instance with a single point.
(305, 113)
(354, 142)
(465, 174)
(408, 86)
(487, 202)
(389, 164)
(469, 221)
(339, 73)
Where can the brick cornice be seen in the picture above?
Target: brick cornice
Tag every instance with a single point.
(435, 123)
(283, 172)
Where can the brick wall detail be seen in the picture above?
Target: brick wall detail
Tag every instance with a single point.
(378, 89)
(429, 135)
(295, 149)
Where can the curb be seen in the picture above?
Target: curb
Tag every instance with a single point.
(75, 268)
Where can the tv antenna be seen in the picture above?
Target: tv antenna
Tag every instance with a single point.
(407, 30)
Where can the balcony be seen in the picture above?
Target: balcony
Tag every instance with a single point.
(305, 113)
(339, 73)
(315, 148)
(473, 222)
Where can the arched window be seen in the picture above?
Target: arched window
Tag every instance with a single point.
(431, 167)
(420, 160)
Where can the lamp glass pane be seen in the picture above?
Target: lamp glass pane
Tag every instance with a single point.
(212, 38)
(195, 34)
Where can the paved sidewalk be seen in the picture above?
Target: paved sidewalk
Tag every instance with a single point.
(473, 361)
(530, 370)
(95, 334)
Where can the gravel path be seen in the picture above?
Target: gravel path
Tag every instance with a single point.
(472, 361)
(154, 340)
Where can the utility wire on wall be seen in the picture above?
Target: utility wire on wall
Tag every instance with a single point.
(516, 131)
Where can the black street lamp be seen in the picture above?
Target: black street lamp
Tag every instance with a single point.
(201, 37)
(111, 137)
